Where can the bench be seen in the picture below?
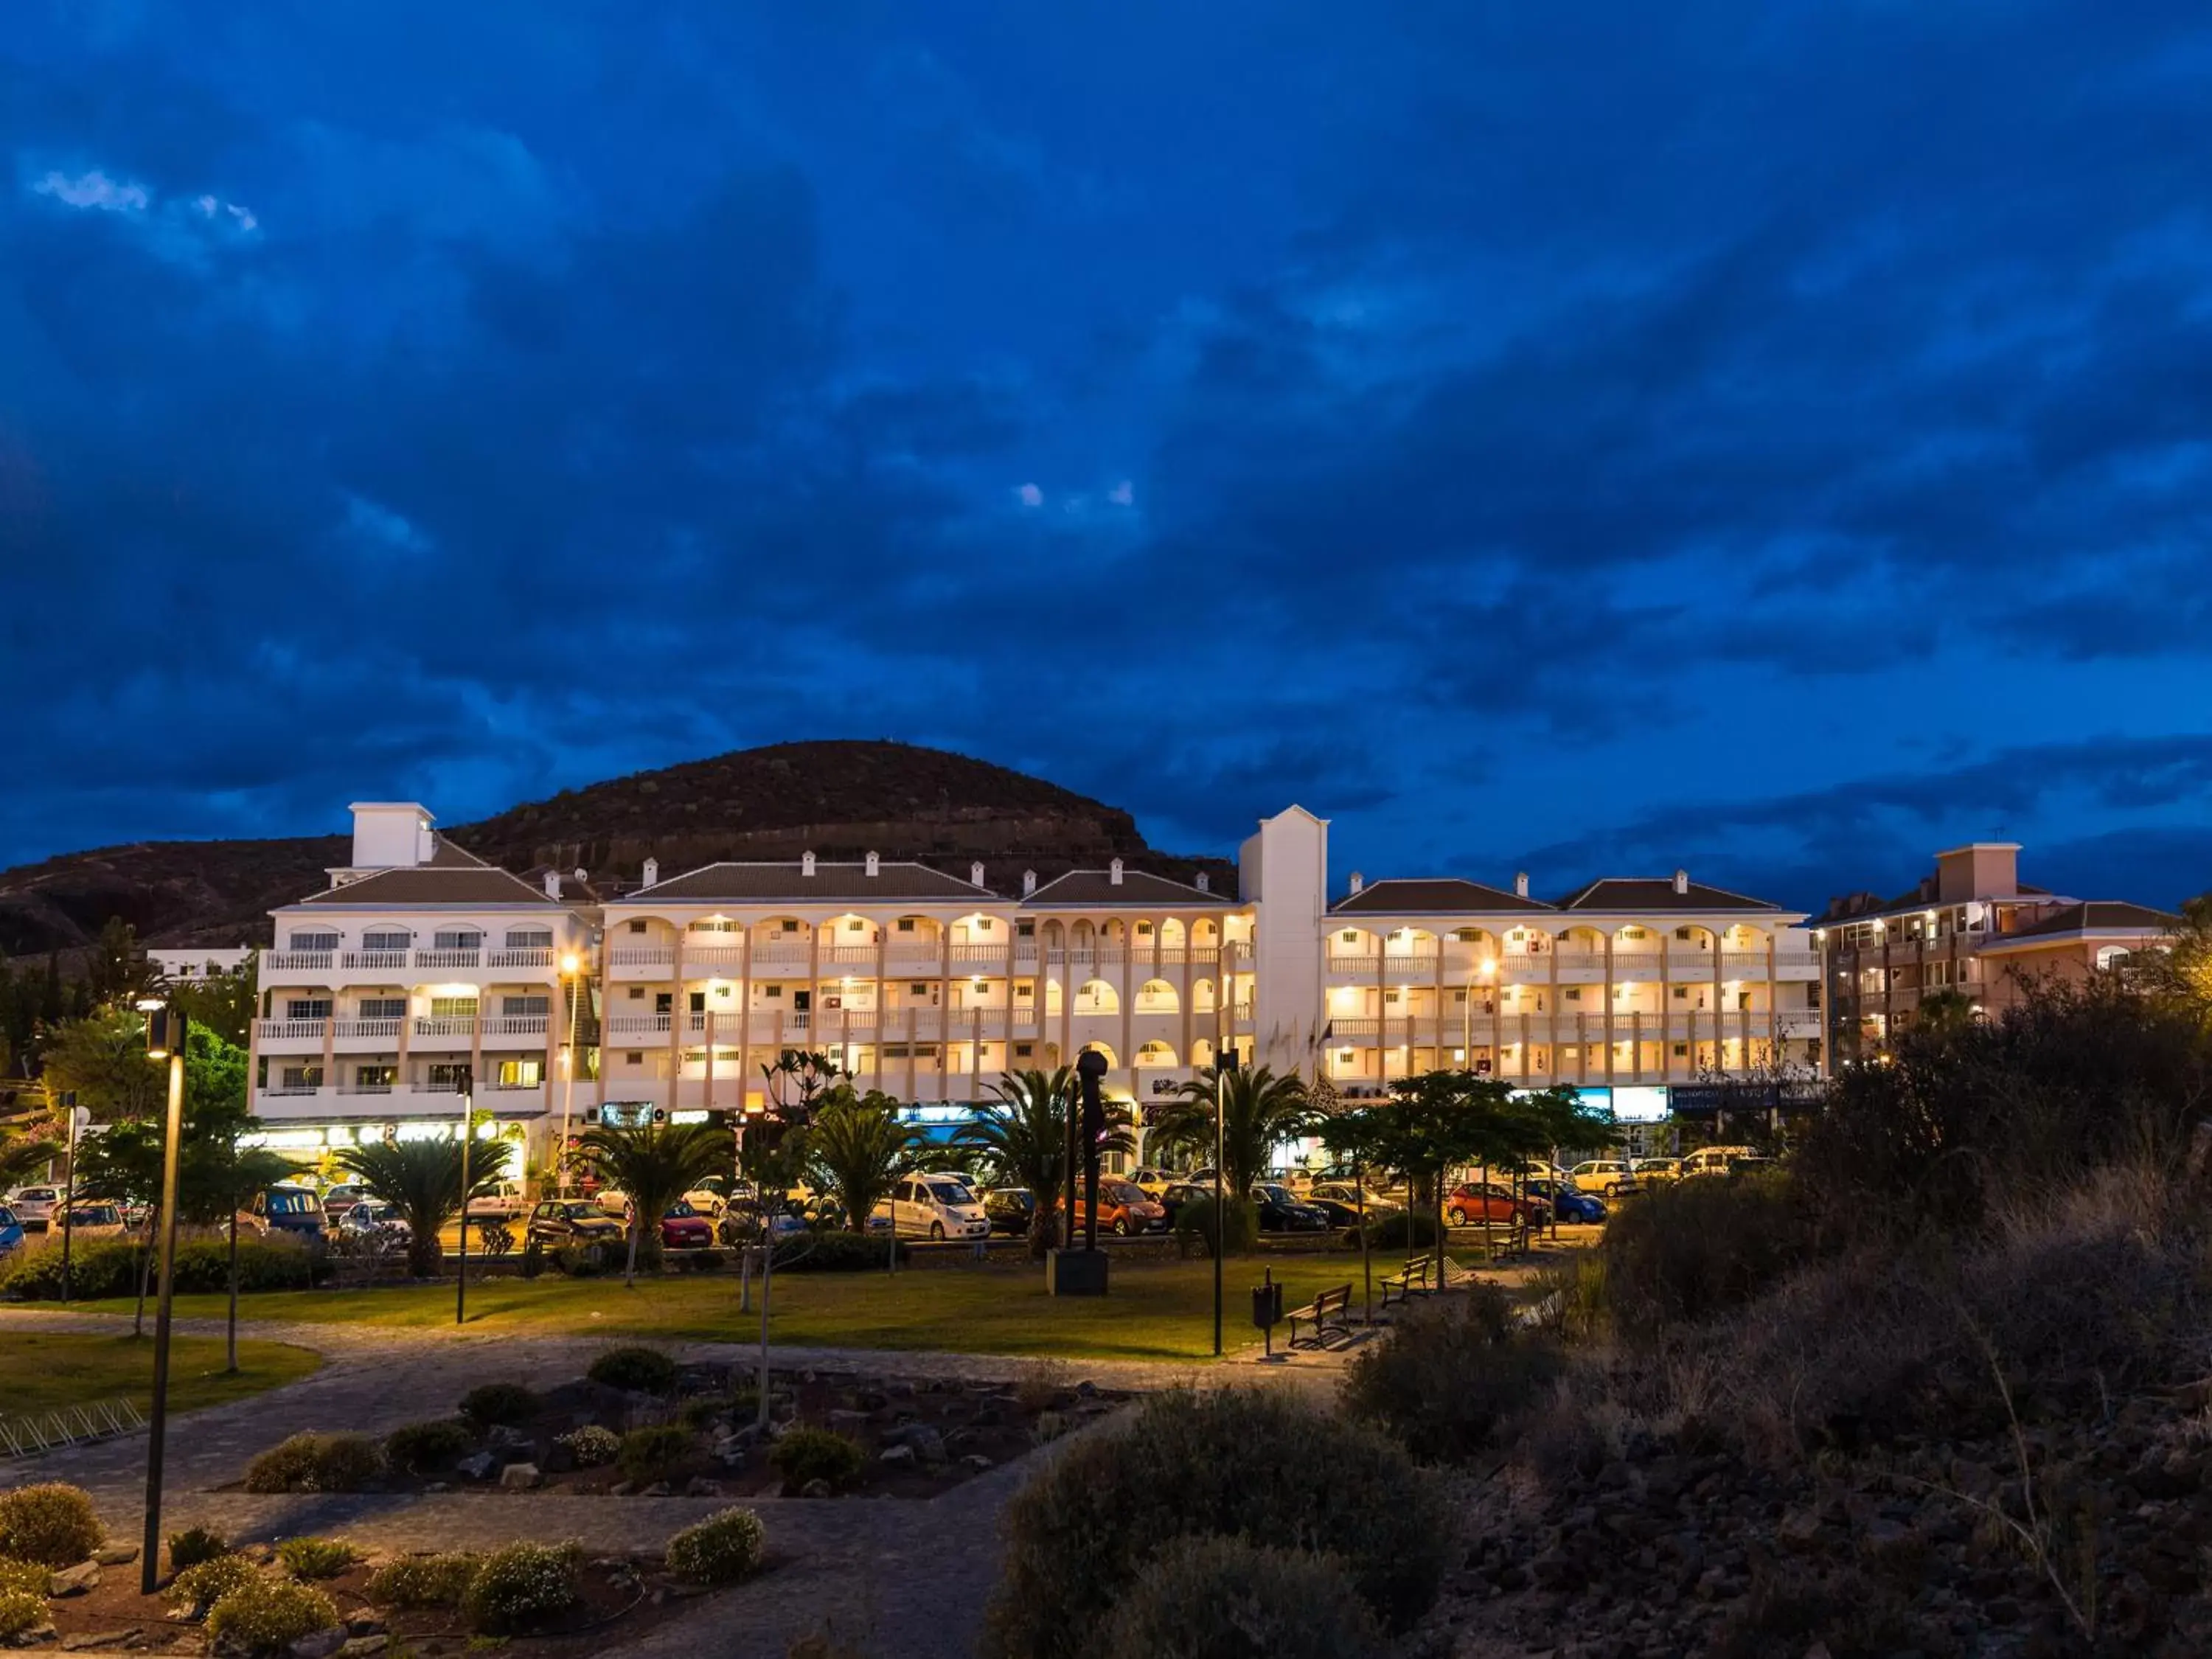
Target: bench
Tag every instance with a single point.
(1329, 1310)
(1413, 1278)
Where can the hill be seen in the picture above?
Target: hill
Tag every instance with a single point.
(837, 798)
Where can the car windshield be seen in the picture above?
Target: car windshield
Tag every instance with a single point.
(579, 1212)
(678, 1211)
(292, 1201)
(1121, 1192)
(98, 1216)
(951, 1192)
(7, 1217)
(1273, 1193)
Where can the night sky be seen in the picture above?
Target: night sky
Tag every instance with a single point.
(1584, 436)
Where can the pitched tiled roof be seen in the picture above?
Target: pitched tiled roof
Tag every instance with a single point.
(2094, 916)
(1098, 890)
(1444, 895)
(447, 856)
(1657, 893)
(474, 884)
(840, 882)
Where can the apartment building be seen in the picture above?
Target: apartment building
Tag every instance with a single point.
(422, 971)
(182, 964)
(1970, 928)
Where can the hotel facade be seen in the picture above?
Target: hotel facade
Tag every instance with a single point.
(420, 972)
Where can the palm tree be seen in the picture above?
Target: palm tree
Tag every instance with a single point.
(654, 1164)
(422, 1179)
(22, 1157)
(1259, 1111)
(1023, 1133)
(857, 1148)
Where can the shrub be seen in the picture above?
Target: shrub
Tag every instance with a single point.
(316, 1557)
(652, 1453)
(54, 1525)
(24, 1577)
(1194, 1226)
(1229, 1599)
(109, 1267)
(195, 1545)
(804, 1455)
(1451, 1372)
(834, 1253)
(719, 1550)
(581, 1260)
(532, 1264)
(20, 1612)
(419, 1447)
(703, 1413)
(424, 1581)
(1690, 1250)
(316, 1462)
(520, 1585)
(267, 1616)
(699, 1262)
(210, 1581)
(102, 1267)
(1236, 1463)
(590, 1445)
(636, 1371)
(498, 1402)
(1401, 1230)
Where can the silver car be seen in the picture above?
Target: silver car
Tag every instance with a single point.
(34, 1206)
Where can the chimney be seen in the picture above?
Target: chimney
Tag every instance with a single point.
(1521, 884)
(1029, 883)
(553, 884)
(806, 864)
(1681, 881)
(875, 864)
(1113, 872)
(1359, 881)
(974, 875)
(653, 873)
(1205, 882)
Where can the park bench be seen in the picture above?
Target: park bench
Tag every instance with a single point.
(1413, 1278)
(1329, 1310)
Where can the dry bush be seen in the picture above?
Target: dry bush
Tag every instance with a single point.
(1040, 1386)
(1452, 1373)
(1227, 1598)
(1689, 1251)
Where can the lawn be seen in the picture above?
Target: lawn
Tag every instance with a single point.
(45, 1370)
(1155, 1310)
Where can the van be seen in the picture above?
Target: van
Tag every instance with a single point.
(1721, 1160)
(293, 1210)
(931, 1206)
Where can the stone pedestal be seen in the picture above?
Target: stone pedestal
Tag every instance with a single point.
(1075, 1273)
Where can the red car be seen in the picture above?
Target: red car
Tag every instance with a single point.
(682, 1228)
(1471, 1202)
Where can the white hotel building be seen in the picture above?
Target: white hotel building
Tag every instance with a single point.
(421, 968)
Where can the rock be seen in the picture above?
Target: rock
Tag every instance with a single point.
(320, 1645)
(976, 1461)
(520, 1477)
(558, 1458)
(76, 1580)
(118, 1555)
(91, 1641)
(815, 1489)
(621, 1489)
(365, 1647)
(899, 1456)
(1800, 1530)
(1086, 1390)
(504, 1437)
(478, 1466)
(700, 1486)
(658, 1489)
(364, 1624)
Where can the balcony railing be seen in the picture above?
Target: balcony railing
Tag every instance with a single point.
(641, 956)
(360, 959)
(445, 1026)
(293, 962)
(848, 956)
(291, 1031)
(636, 1024)
(449, 958)
(536, 956)
(515, 1025)
(358, 1028)
(713, 958)
(780, 956)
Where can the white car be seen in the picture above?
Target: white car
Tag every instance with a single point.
(931, 1206)
(34, 1206)
(503, 1202)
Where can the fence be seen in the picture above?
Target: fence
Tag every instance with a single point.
(72, 1426)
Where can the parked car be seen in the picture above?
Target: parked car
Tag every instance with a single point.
(1154, 1182)
(503, 1201)
(612, 1200)
(1280, 1210)
(1567, 1204)
(1648, 1170)
(1180, 1192)
(35, 1206)
(1352, 1195)
(1342, 1204)
(11, 1231)
(1604, 1176)
(288, 1209)
(734, 1223)
(931, 1206)
(1123, 1208)
(96, 1219)
(573, 1221)
(682, 1228)
(716, 1194)
(1722, 1160)
(368, 1216)
(1010, 1209)
(1473, 1200)
(338, 1200)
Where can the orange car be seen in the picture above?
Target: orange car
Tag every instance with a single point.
(1123, 1208)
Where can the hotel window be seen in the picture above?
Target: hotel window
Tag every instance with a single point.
(984, 924)
(1681, 1050)
(1025, 990)
(453, 1008)
(382, 1008)
(1349, 936)
(525, 1007)
(312, 942)
(308, 1008)
(1025, 1050)
(303, 1077)
(775, 991)
(856, 925)
(637, 993)
(791, 926)
(458, 939)
(712, 925)
(385, 939)
(1681, 992)
(905, 924)
(375, 1080)
(920, 987)
(1467, 936)
(1743, 999)
(637, 928)
(1025, 930)
(530, 939)
(521, 1074)
(634, 1058)
(1390, 999)
(1144, 929)
(449, 1077)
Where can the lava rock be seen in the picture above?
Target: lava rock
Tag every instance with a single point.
(520, 1477)
(478, 1466)
(76, 1580)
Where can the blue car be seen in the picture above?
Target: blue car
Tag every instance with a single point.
(11, 1231)
(1566, 1203)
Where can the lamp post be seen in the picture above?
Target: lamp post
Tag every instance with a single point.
(165, 1040)
(461, 1278)
(1221, 1071)
(68, 1182)
(571, 969)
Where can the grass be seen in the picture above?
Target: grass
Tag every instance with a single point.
(43, 1371)
(1155, 1310)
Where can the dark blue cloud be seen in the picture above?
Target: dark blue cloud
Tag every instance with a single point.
(1581, 437)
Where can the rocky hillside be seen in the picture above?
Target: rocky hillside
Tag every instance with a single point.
(838, 799)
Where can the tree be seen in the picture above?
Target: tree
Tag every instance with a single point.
(22, 1156)
(1355, 1136)
(1444, 1120)
(422, 1179)
(654, 1164)
(1022, 1132)
(117, 970)
(103, 1058)
(857, 1148)
(1259, 1111)
(223, 1003)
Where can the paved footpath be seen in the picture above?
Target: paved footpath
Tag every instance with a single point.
(892, 1575)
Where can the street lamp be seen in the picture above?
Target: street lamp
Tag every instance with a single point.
(1222, 1068)
(571, 966)
(164, 1041)
(461, 1279)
